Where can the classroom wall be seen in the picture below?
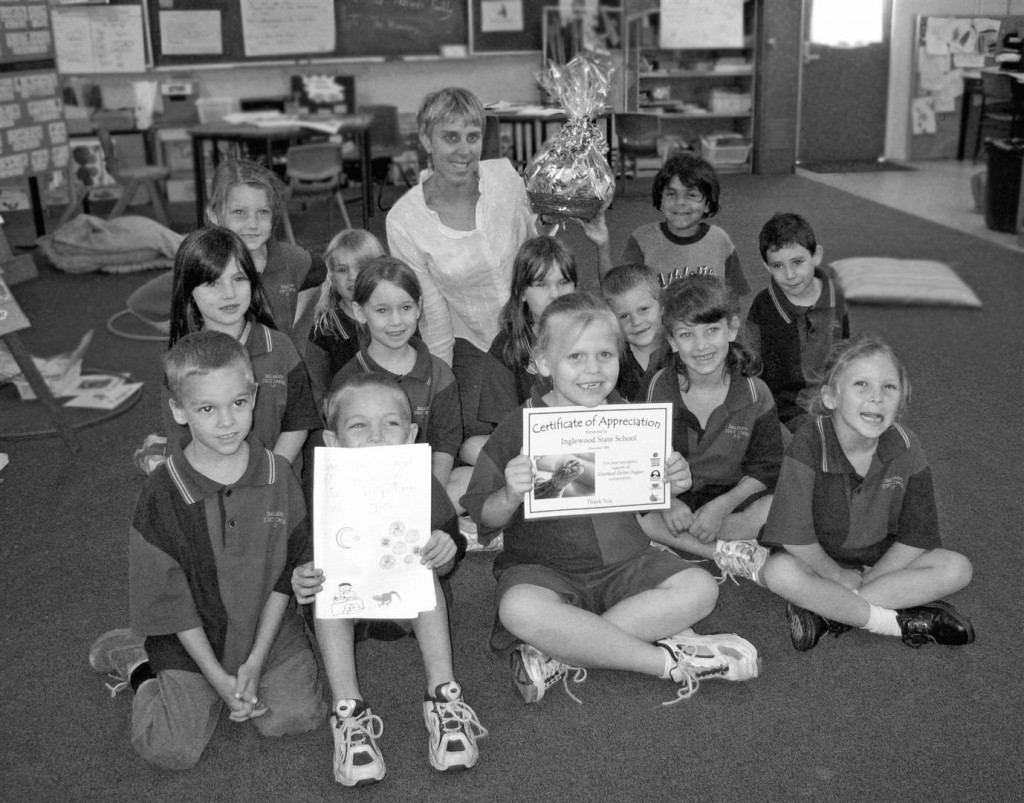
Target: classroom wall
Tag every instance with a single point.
(901, 65)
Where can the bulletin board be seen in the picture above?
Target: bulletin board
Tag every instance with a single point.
(501, 26)
(99, 39)
(190, 32)
(25, 31)
(33, 134)
(945, 47)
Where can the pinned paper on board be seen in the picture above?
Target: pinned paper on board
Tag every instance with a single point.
(922, 115)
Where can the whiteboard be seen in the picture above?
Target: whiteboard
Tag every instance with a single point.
(98, 39)
(701, 24)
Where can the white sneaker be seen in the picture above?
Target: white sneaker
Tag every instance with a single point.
(534, 673)
(719, 655)
(117, 653)
(740, 559)
(453, 727)
(357, 758)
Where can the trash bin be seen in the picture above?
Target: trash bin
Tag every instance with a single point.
(1005, 161)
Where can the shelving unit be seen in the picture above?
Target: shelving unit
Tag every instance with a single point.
(697, 93)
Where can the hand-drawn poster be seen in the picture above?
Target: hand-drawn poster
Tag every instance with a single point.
(281, 27)
(371, 519)
(597, 460)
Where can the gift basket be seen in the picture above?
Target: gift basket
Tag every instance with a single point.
(570, 176)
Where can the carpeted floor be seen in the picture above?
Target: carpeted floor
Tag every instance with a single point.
(860, 718)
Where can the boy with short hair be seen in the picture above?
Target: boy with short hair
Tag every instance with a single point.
(633, 294)
(794, 323)
(686, 192)
(217, 531)
(372, 409)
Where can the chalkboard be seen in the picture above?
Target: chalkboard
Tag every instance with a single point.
(233, 31)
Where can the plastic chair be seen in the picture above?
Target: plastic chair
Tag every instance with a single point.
(637, 135)
(997, 106)
(386, 144)
(314, 171)
(132, 179)
(492, 138)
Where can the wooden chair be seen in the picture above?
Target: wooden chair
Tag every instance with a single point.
(997, 106)
(314, 171)
(637, 135)
(131, 179)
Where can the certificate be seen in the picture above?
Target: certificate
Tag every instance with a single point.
(371, 520)
(604, 459)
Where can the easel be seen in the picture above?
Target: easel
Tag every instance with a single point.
(12, 320)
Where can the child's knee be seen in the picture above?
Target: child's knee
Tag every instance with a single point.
(780, 572)
(517, 609)
(697, 587)
(957, 568)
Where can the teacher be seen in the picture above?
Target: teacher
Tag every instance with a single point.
(459, 229)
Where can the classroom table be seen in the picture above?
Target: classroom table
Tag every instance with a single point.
(358, 125)
(528, 121)
(972, 87)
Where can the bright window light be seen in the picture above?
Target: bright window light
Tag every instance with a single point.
(840, 23)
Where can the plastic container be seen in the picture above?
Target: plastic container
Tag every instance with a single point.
(725, 149)
(213, 110)
(725, 101)
(1002, 191)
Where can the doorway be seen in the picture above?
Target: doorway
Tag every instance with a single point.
(844, 81)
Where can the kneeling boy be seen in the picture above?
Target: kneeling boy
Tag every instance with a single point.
(217, 531)
(372, 410)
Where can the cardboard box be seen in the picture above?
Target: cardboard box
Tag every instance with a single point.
(176, 151)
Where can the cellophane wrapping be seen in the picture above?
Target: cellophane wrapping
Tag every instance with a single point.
(570, 176)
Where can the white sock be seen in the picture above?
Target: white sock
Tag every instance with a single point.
(882, 621)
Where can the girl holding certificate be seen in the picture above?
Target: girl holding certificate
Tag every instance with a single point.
(589, 591)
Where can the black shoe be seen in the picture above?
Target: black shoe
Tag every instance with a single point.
(939, 622)
(806, 627)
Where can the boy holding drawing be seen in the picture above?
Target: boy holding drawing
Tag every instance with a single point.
(217, 531)
(372, 410)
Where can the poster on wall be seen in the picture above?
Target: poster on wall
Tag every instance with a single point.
(701, 24)
(25, 31)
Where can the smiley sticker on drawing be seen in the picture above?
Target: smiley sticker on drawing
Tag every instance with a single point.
(387, 561)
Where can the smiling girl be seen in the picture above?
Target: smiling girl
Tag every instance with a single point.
(387, 302)
(724, 424)
(855, 515)
(216, 286)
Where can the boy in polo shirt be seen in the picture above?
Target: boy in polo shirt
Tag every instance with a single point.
(217, 531)
(794, 323)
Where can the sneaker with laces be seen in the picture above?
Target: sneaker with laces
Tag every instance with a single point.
(357, 758)
(534, 673)
(937, 622)
(806, 627)
(117, 653)
(740, 559)
(719, 655)
(453, 727)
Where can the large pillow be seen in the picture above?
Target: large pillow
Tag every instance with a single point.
(884, 280)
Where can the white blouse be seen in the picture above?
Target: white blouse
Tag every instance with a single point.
(466, 276)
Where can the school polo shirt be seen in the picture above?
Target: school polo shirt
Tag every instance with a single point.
(290, 270)
(821, 499)
(742, 437)
(709, 251)
(503, 387)
(202, 554)
(570, 543)
(284, 400)
(633, 378)
(432, 392)
(794, 341)
(328, 351)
